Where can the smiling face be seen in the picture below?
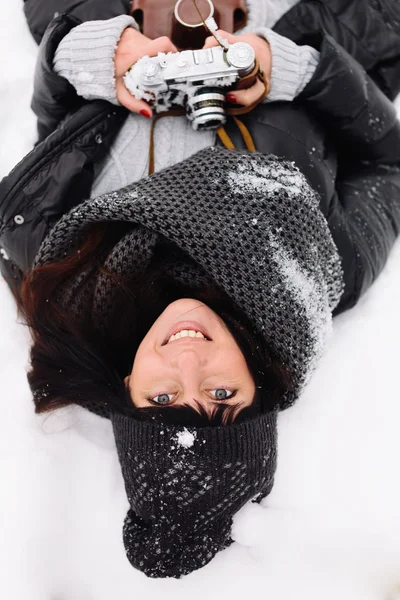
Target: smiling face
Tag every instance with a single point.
(187, 357)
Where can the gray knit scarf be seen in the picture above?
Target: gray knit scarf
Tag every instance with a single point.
(251, 224)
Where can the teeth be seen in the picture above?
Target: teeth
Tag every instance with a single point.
(186, 333)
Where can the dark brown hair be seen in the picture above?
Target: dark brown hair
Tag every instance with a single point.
(73, 363)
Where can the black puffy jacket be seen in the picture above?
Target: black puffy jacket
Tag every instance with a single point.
(342, 132)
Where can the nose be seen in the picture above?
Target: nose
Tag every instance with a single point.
(188, 366)
(188, 359)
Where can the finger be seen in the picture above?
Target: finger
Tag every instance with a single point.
(247, 97)
(211, 41)
(125, 98)
(162, 44)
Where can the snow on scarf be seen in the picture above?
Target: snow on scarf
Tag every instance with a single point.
(250, 222)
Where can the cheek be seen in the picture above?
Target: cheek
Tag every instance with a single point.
(146, 362)
(234, 361)
(235, 357)
(145, 365)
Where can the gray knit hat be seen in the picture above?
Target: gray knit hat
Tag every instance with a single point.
(251, 223)
(184, 486)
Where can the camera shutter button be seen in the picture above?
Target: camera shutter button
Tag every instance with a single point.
(150, 70)
(241, 55)
(182, 63)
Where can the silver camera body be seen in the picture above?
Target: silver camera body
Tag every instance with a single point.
(197, 79)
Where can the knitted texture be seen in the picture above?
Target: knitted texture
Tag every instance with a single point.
(292, 66)
(184, 486)
(251, 224)
(85, 57)
(266, 12)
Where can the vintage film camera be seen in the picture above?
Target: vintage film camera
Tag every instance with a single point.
(196, 79)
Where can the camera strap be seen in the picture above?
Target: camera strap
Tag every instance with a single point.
(246, 82)
(246, 135)
(221, 132)
(156, 18)
(173, 112)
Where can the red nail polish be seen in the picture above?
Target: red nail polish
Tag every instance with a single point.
(146, 113)
(231, 98)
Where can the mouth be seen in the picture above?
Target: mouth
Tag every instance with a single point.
(188, 331)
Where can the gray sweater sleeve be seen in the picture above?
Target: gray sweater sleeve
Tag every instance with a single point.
(292, 66)
(85, 57)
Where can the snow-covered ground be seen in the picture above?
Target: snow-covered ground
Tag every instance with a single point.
(331, 527)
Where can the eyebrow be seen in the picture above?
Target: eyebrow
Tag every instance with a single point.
(221, 403)
(224, 408)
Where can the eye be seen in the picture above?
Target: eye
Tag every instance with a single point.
(223, 394)
(161, 398)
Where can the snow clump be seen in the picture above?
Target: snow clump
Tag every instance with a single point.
(186, 438)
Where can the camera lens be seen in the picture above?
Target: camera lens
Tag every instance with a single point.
(205, 108)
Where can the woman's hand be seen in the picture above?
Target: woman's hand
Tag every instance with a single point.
(132, 46)
(263, 55)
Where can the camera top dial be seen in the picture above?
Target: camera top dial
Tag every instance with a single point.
(241, 56)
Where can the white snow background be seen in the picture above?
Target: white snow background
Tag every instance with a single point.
(331, 527)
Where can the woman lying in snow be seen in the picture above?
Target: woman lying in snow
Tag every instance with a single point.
(191, 306)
